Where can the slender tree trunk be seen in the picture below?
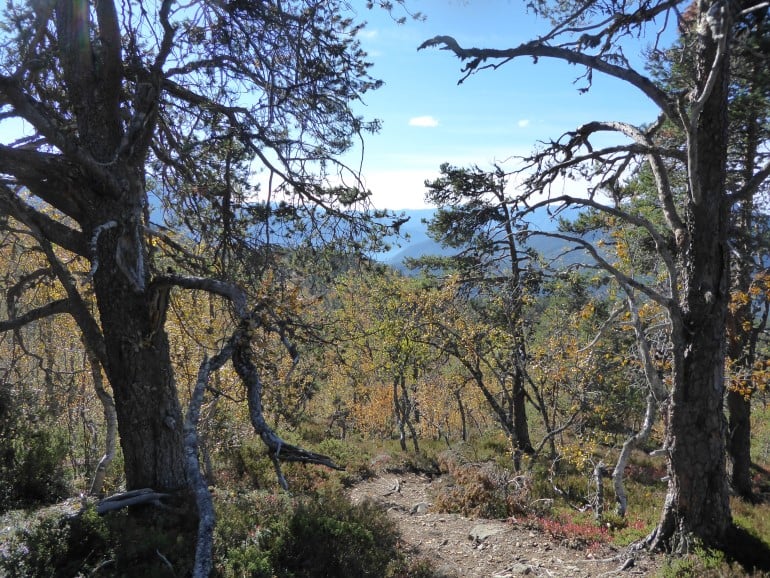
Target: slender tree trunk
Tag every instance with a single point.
(399, 413)
(520, 423)
(409, 409)
(740, 352)
(629, 445)
(739, 443)
(741, 336)
(206, 439)
(111, 425)
(463, 419)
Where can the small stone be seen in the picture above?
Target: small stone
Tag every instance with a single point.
(481, 532)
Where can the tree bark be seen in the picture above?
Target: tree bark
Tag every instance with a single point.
(140, 372)
(128, 337)
(739, 443)
(629, 445)
(399, 414)
(520, 423)
(747, 121)
(409, 411)
(697, 506)
(463, 419)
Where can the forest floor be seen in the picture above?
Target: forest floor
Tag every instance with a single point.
(477, 548)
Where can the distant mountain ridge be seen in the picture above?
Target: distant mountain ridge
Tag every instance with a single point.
(417, 243)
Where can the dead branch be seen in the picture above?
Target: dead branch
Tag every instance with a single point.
(206, 518)
(132, 498)
(278, 448)
(53, 308)
(621, 277)
(230, 291)
(477, 56)
(110, 419)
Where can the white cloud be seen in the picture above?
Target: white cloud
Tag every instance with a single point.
(368, 34)
(399, 189)
(523, 122)
(423, 121)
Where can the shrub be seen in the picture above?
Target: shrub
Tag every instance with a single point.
(576, 533)
(147, 543)
(486, 491)
(263, 535)
(355, 462)
(58, 546)
(32, 468)
(332, 537)
(251, 464)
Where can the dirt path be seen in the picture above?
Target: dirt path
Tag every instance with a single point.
(473, 548)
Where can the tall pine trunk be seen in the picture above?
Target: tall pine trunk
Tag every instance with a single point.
(136, 352)
(697, 505)
(739, 443)
(747, 119)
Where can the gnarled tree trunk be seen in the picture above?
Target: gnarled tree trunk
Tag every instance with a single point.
(140, 372)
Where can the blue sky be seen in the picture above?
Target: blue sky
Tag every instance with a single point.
(494, 115)
(429, 119)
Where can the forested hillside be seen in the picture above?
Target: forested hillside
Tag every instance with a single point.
(209, 335)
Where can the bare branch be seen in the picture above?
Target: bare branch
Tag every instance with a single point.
(621, 277)
(206, 518)
(607, 322)
(25, 281)
(535, 49)
(280, 450)
(57, 233)
(32, 111)
(90, 329)
(131, 498)
(660, 242)
(754, 8)
(154, 231)
(111, 421)
(230, 291)
(49, 309)
(750, 188)
(47, 176)
(654, 156)
(657, 388)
